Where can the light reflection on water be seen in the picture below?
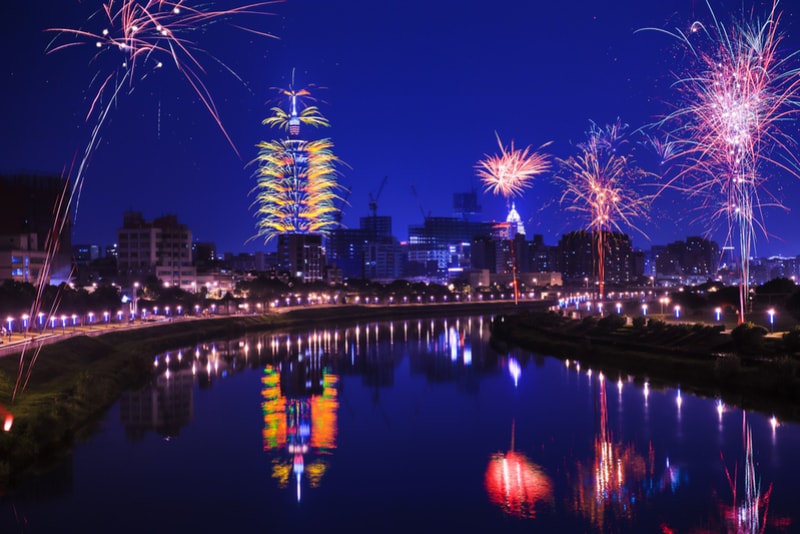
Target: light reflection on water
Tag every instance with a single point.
(387, 425)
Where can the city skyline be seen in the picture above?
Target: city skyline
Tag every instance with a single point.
(414, 92)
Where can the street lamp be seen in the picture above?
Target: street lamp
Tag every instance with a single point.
(771, 313)
(135, 298)
(677, 311)
(718, 311)
(25, 318)
(644, 309)
(619, 308)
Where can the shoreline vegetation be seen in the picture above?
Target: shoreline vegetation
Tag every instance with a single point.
(745, 367)
(75, 380)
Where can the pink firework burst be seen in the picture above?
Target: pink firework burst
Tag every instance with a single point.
(509, 173)
(736, 99)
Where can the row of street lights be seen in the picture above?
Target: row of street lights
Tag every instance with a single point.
(676, 309)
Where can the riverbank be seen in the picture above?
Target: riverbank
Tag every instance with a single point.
(73, 379)
(698, 359)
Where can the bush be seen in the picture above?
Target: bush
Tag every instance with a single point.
(748, 338)
(791, 340)
(610, 323)
(656, 325)
(639, 322)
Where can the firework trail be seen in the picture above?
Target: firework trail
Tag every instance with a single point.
(143, 35)
(735, 99)
(296, 179)
(509, 173)
(599, 183)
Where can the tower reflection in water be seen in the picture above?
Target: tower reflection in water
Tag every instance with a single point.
(300, 399)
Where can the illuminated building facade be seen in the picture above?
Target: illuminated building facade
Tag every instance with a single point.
(443, 242)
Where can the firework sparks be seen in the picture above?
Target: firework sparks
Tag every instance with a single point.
(146, 34)
(509, 173)
(291, 120)
(598, 183)
(735, 98)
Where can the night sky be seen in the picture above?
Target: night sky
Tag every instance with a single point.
(415, 91)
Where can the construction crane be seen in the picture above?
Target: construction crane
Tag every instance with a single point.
(342, 202)
(416, 197)
(373, 200)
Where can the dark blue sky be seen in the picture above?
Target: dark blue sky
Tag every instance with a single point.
(414, 90)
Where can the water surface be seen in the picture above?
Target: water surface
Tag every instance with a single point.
(411, 426)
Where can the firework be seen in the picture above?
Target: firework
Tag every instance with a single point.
(290, 120)
(144, 35)
(735, 98)
(599, 184)
(510, 172)
(297, 185)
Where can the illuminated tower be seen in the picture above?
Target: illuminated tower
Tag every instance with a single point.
(297, 186)
(514, 223)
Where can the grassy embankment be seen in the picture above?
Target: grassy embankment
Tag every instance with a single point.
(76, 380)
(697, 358)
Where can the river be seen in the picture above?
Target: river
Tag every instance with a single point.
(411, 426)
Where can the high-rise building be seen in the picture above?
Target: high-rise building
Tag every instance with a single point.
(27, 221)
(697, 257)
(370, 251)
(577, 252)
(438, 242)
(161, 248)
(302, 255)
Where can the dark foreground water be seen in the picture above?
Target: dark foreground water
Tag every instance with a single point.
(412, 426)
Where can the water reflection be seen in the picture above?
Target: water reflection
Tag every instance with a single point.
(588, 470)
(299, 406)
(300, 382)
(608, 487)
(517, 485)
